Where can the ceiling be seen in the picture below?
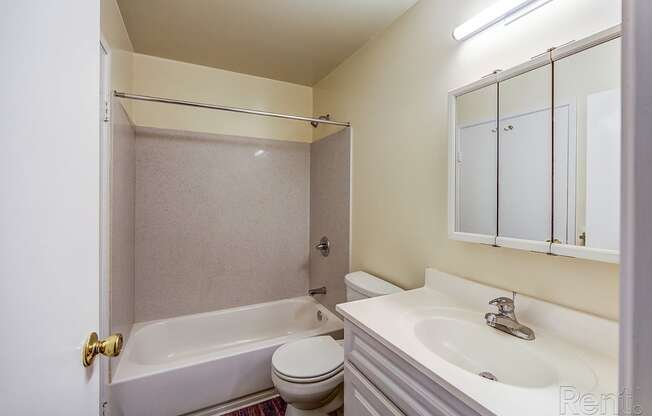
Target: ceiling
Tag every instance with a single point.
(298, 41)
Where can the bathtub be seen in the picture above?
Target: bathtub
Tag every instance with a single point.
(178, 365)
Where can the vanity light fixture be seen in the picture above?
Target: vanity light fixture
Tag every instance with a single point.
(501, 10)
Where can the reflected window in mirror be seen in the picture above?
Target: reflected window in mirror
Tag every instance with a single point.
(475, 161)
(587, 148)
(525, 157)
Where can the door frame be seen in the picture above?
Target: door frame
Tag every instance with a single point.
(635, 366)
(106, 140)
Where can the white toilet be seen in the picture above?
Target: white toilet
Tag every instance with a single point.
(308, 373)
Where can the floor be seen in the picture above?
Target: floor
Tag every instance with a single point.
(272, 407)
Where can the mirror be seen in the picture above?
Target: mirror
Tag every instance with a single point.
(476, 162)
(587, 148)
(534, 153)
(525, 159)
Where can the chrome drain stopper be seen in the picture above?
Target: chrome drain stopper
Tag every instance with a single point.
(488, 376)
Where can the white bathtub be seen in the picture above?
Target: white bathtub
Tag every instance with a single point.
(178, 365)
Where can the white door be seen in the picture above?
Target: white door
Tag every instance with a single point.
(525, 176)
(476, 173)
(603, 170)
(565, 161)
(49, 206)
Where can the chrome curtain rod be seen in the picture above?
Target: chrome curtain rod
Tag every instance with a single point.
(225, 108)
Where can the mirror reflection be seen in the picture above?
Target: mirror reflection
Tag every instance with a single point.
(587, 147)
(525, 156)
(476, 161)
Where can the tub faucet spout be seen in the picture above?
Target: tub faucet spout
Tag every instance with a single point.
(317, 291)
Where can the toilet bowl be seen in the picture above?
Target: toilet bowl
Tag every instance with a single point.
(308, 375)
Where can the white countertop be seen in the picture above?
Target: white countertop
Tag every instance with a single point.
(574, 340)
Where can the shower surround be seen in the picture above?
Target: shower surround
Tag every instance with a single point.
(204, 222)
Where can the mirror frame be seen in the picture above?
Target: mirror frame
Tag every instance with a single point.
(552, 248)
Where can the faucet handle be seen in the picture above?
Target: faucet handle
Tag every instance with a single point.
(504, 305)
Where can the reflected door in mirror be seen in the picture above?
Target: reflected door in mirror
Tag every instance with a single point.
(525, 156)
(475, 156)
(587, 172)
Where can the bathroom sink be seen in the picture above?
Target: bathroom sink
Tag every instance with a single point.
(462, 338)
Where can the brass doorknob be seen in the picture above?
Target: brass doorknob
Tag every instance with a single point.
(110, 347)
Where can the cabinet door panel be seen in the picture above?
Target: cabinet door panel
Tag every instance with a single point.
(525, 158)
(361, 398)
(589, 83)
(474, 164)
(408, 389)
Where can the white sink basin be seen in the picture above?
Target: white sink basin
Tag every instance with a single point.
(462, 338)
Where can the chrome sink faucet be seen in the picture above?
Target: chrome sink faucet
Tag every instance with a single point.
(505, 320)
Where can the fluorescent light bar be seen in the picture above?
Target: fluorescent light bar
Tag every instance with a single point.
(488, 17)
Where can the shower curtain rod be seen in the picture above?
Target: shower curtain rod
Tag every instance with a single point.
(225, 108)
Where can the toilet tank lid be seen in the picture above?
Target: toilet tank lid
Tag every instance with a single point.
(370, 285)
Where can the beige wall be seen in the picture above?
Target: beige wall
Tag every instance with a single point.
(112, 25)
(149, 75)
(167, 78)
(394, 91)
(115, 34)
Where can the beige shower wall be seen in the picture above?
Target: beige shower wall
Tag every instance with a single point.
(394, 91)
(330, 198)
(221, 221)
(122, 261)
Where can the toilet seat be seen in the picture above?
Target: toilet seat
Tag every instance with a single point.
(310, 360)
(311, 379)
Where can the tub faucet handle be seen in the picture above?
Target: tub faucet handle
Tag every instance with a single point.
(324, 246)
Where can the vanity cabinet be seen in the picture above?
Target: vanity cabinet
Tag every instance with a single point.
(378, 381)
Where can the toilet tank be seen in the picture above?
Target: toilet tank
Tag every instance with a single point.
(362, 285)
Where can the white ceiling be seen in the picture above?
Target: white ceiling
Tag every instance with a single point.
(298, 41)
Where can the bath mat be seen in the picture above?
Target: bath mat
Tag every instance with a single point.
(272, 407)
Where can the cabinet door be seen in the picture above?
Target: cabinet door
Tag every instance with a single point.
(525, 161)
(473, 165)
(361, 398)
(399, 382)
(587, 173)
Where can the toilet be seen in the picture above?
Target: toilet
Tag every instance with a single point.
(308, 373)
